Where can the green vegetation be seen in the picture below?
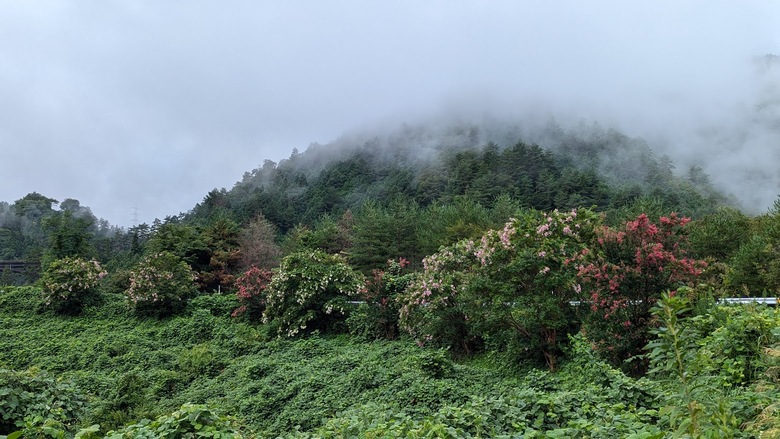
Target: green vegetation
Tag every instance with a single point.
(463, 291)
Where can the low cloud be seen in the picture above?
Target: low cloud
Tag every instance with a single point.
(151, 104)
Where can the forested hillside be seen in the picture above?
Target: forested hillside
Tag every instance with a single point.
(458, 281)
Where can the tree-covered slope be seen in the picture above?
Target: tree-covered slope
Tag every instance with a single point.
(429, 164)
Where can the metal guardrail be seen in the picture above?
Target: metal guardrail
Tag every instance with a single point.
(18, 266)
(747, 300)
(725, 301)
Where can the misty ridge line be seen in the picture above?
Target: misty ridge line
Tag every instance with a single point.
(616, 157)
(733, 145)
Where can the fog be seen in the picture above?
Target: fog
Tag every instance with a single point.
(148, 105)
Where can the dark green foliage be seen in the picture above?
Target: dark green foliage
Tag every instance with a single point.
(705, 363)
(720, 234)
(377, 317)
(539, 405)
(754, 268)
(69, 236)
(184, 241)
(326, 234)
(219, 305)
(382, 234)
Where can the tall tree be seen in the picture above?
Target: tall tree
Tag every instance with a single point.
(69, 236)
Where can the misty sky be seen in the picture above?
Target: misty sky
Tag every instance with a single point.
(154, 103)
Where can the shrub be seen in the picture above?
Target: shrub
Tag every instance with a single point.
(71, 283)
(160, 285)
(513, 286)
(378, 317)
(251, 293)
(634, 265)
(309, 292)
(694, 406)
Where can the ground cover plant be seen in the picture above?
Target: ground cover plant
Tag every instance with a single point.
(115, 370)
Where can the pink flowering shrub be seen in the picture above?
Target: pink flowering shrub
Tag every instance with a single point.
(635, 264)
(432, 308)
(510, 289)
(71, 283)
(160, 285)
(251, 293)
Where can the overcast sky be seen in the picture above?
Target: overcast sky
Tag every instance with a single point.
(151, 104)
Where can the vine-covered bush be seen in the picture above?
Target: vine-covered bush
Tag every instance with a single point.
(309, 293)
(377, 317)
(71, 283)
(160, 285)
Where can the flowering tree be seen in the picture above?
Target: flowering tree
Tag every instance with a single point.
(160, 285)
(70, 283)
(512, 286)
(635, 264)
(251, 292)
(309, 292)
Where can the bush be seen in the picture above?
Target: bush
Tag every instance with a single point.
(251, 293)
(511, 289)
(634, 265)
(160, 285)
(309, 293)
(377, 318)
(71, 283)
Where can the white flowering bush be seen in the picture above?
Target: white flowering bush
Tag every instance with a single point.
(71, 283)
(309, 292)
(160, 285)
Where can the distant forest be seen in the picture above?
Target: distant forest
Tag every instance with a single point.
(402, 194)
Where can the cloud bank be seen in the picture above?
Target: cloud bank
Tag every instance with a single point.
(152, 104)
